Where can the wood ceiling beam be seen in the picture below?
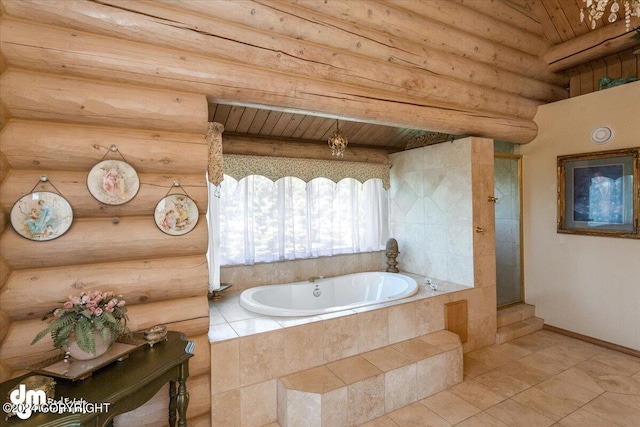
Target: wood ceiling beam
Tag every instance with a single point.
(593, 45)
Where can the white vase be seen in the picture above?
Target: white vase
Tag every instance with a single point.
(102, 346)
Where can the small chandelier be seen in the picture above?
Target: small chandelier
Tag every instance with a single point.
(595, 9)
(338, 142)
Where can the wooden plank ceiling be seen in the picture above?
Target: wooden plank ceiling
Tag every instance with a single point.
(558, 21)
(240, 120)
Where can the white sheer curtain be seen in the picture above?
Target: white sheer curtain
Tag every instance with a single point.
(263, 221)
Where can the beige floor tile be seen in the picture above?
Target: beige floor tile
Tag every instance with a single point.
(566, 391)
(624, 363)
(613, 411)
(582, 418)
(618, 384)
(502, 383)
(544, 363)
(524, 372)
(595, 367)
(580, 378)
(417, 415)
(382, 421)
(498, 355)
(482, 420)
(515, 414)
(450, 407)
(536, 341)
(477, 394)
(568, 357)
(626, 399)
(545, 403)
(473, 367)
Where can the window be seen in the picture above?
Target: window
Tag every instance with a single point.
(266, 221)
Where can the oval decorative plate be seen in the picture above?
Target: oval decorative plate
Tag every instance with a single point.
(113, 182)
(41, 216)
(176, 214)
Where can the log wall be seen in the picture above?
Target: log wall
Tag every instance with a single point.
(61, 126)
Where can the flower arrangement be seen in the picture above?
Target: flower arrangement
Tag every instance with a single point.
(83, 315)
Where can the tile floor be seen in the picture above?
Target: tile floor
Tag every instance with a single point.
(542, 379)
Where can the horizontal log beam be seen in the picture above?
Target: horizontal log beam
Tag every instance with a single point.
(30, 293)
(18, 353)
(56, 146)
(478, 24)
(73, 186)
(507, 12)
(280, 55)
(405, 24)
(222, 81)
(100, 240)
(36, 96)
(280, 147)
(170, 313)
(596, 44)
(210, 30)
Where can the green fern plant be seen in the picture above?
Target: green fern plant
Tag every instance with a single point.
(80, 316)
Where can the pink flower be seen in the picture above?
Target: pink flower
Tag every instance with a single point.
(75, 300)
(92, 310)
(92, 303)
(85, 298)
(121, 303)
(98, 311)
(112, 303)
(68, 304)
(109, 309)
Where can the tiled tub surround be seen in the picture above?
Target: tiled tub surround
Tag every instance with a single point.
(250, 352)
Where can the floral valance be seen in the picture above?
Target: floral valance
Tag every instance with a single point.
(274, 168)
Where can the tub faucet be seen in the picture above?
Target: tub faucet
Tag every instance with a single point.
(314, 278)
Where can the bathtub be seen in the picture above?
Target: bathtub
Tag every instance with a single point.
(328, 295)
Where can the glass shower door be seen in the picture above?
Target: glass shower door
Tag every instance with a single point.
(508, 212)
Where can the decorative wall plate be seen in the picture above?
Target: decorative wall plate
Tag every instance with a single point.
(176, 214)
(113, 182)
(41, 216)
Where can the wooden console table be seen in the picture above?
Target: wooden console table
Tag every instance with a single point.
(123, 385)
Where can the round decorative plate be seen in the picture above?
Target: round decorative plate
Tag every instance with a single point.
(176, 214)
(41, 216)
(113, 182)
(601, 135)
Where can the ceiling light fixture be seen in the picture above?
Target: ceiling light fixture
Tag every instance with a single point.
(338, 142)
(595, 9)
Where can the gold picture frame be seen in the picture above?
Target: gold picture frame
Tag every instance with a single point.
(598, 193)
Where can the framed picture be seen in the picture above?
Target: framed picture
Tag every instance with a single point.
(113, 182)
(176, 214)
(41, 216)
(598, 193)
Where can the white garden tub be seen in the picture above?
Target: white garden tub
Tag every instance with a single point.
(335, 294)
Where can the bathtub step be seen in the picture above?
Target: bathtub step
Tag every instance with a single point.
(518, 329)
(515, 313)
(355, 390)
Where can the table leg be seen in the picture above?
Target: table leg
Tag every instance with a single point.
(183, 395)
(172, 403)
